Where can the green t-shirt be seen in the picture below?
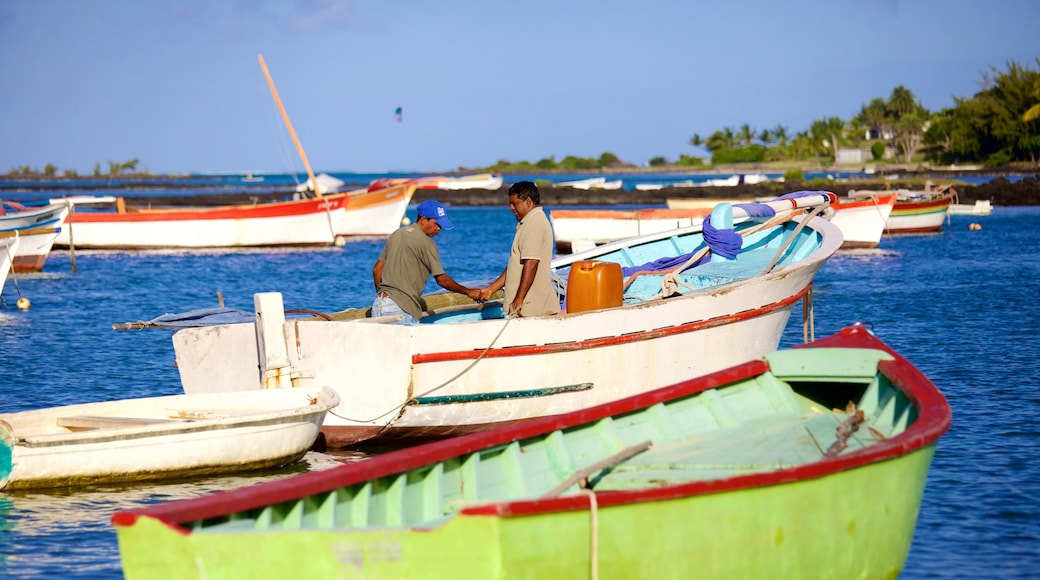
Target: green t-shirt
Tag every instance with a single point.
(409, 258)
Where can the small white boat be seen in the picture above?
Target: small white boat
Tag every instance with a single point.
(476, 181)
(38, 226)
(649, 186)
(159, 437)
(981, 207)
(326, 184)
(730, 181)
(591, 183)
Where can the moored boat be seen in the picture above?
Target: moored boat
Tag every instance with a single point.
(157, 438)
(591, 183)
(915, 211)
(640, 313)
(303, 222)
(475, 181)
(37, 225)
(980, 207)
(809, 462)
(862, 222)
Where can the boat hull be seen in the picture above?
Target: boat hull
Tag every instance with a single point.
(854, 524)
(862, 222)
(293, 223)
(918, 216)
(375, 213)
(37, 228)
(158, 438)
(438, 379)
(744, 473)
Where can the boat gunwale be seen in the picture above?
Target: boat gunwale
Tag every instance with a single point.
(934, 419)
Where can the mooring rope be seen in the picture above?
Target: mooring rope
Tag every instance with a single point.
(397, 410)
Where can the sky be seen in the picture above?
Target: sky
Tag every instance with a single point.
(177, 85)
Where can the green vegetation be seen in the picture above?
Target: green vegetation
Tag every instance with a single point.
(997, 126)
(51, 170)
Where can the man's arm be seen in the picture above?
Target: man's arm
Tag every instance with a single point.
(499, 283)
(526, 281)
(448, 283)
(377, 274)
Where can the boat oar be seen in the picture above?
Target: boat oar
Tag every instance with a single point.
(583, 473)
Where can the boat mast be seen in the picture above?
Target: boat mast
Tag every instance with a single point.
(296, 140)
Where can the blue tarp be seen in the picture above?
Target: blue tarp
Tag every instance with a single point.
(203, 317)
(724, 242)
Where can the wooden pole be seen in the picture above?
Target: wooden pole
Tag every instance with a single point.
(299, 148)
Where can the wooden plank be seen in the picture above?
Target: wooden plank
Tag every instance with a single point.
(98, 422)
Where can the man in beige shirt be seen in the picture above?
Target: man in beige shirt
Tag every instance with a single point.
(527, 278)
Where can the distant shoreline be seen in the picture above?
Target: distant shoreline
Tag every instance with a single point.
(181, 191)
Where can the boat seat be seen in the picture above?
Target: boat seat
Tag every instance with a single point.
(98, 422)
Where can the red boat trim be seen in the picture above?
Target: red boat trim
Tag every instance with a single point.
(915, 207)
(609, 340)
(878, 201)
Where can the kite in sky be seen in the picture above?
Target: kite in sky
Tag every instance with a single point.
(398, 113)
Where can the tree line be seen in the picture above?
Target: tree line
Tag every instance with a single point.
(51, 170)
(998, 125)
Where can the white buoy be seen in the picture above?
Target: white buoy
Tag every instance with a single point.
(405, 221)
(24, 304)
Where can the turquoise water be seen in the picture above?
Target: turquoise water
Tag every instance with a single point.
(961, 305)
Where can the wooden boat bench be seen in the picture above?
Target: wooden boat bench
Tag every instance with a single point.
(82, 422)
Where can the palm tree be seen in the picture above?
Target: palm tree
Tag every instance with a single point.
(747, 134)
(901, 102)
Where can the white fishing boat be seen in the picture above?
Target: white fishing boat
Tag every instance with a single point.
(38, 226)
(156, 438)
(980, 207)
(916, 211)
(591, 183)
(576, 230)
(304, 222)
(476, 181)
(466, 367)
(861, 222)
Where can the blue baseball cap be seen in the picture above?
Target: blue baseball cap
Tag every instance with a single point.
(433, 209)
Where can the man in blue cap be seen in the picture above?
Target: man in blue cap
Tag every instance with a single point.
(408, 259)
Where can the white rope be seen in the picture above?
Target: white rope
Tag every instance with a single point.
(593, 534)
(399, 408)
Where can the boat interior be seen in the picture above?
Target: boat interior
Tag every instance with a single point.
(780, 419)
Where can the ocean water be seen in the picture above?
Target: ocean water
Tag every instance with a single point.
(961, 305)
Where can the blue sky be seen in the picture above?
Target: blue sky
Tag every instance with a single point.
(177, 84)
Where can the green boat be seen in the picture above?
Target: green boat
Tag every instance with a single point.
(808, 463)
